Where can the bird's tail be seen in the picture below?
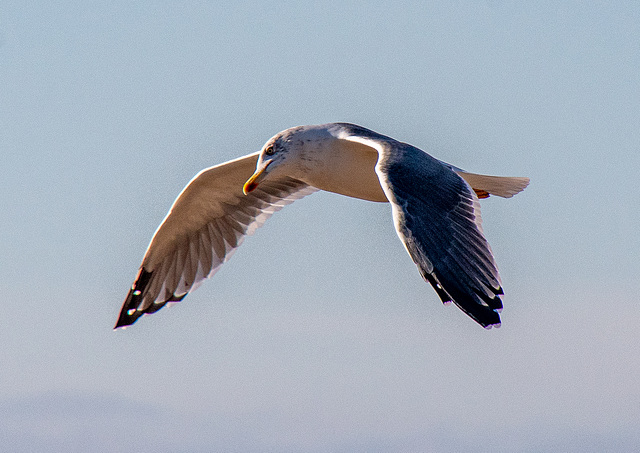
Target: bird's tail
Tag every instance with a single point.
(502, 186)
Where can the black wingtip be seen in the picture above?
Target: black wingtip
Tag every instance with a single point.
(482, 308)
(484, 316)
(435, 283)
(129, 312)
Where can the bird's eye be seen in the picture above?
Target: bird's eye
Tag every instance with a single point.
(270, 151)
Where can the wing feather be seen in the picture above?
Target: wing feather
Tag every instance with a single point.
(205, 253)
(217, 243)
(207, 222)
(437, 217)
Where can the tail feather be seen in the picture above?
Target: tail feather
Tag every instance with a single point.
(502, 186)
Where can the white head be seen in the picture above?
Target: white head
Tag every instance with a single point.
(288, 153)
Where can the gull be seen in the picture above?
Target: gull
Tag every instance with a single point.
(434, 205)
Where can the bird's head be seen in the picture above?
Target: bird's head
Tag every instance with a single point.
(283, 155)
(271, 156)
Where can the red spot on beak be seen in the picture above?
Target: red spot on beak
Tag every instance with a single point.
(255, 179)
(249, 186)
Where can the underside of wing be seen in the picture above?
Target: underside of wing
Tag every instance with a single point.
(205, 225)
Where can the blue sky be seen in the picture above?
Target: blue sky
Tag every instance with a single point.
(319, 334)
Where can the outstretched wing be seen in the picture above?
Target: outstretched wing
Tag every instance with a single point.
(437, 217)
(206, 223)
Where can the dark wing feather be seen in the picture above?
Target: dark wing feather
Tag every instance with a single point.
(437, 216)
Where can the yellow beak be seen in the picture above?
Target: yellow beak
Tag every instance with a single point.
(255, 179)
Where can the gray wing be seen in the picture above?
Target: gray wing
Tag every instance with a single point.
(207, 222)
(437, 216)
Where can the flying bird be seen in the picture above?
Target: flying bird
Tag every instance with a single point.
(434, 206)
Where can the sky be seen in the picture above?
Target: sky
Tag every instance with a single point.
(319, 335)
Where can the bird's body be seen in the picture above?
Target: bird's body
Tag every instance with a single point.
(435, 210)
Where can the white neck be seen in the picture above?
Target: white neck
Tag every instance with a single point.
(340, 166)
